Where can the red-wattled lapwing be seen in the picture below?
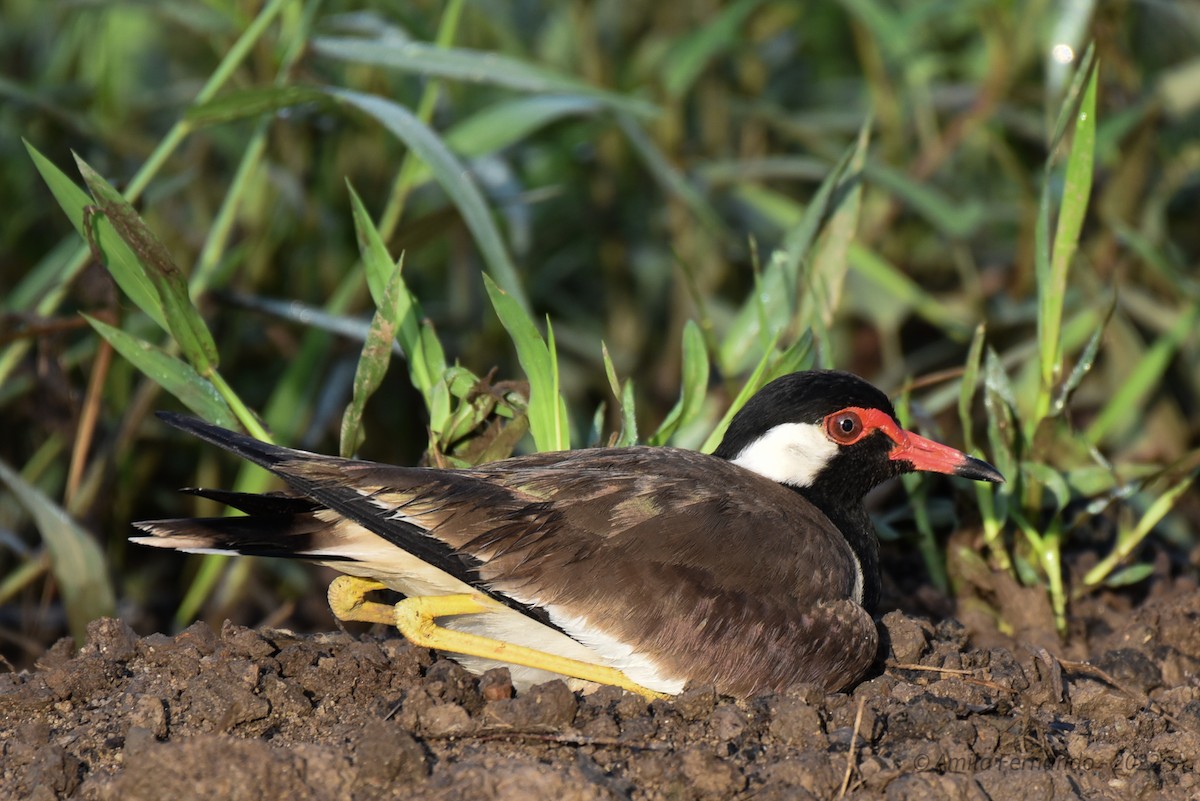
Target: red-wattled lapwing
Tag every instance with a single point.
(753, 569)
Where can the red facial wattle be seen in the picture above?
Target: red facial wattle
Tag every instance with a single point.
(853, 424)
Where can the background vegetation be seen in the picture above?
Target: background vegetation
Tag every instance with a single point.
(960, 201)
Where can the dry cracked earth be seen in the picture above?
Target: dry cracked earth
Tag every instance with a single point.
(251, 714)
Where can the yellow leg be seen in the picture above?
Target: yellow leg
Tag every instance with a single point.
(415, 619)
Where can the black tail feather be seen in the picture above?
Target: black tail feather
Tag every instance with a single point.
(261, 453)
(271, 503)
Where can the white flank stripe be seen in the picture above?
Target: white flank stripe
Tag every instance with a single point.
(615, 653)
(790, 453)
(858, 578)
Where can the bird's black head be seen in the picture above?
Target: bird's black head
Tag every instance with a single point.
(833, 436)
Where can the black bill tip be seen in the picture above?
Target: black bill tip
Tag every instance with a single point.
(978, 470)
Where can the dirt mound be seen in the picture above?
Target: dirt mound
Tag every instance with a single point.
(269, 714)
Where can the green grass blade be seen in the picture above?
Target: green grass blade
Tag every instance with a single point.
(417, 338)
(629, 429)
(775, 297)
(1070, 102)
(184, 321)
(772, 365)
(562, 423)
(433, 362)
(252, 102)
(374, 360)
(1052, 273)
(905, 291)
(956, 218)
(471, 66)
(798, 356)
(1049, 479)
(547, 412)
(1130, 575)
(999, 400)
(918, 497)
(993, 524)
(798, 242)
(453, 178)
(691, 54)
(693, 385)
(75, 558)
(1083, 365)
(1124, 407)
(506, 123)
(753, 384)
(378, 264)
(121, 261)
(1128, 541)
(822, 286)
(970, 381)
(172, 374)
(1077, 191)
(625, 400)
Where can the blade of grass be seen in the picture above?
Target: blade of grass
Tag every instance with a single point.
(1130, 575)
(625, 401)
(753, 384)
(693, 385)
(1124, 406)
(1127, 541)
(918, 495)
(76, 559)
(121, 261)
(776, 296)
(373, 363)
(1083, 365)
(691, 54)
(993, 525)
(547, 411)
(471, 66)
(170, 373)
(453, 178)
(1054, 265)
(822, 285)
(423, 350)
(253, 101)
(152, 259)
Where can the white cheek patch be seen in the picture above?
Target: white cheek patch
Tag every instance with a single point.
(790, 453)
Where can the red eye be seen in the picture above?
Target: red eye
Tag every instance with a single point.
(844, 427)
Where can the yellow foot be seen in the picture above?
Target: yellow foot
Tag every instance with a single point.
(348, 601)
(415, 619)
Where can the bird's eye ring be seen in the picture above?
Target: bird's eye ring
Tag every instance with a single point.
(844, 427)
